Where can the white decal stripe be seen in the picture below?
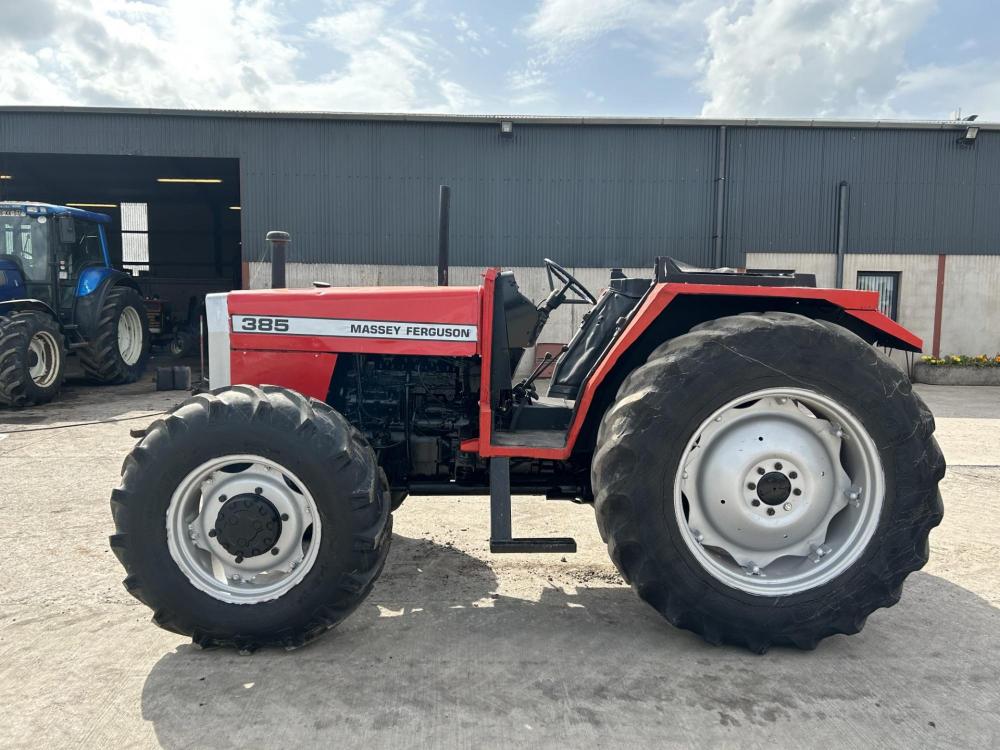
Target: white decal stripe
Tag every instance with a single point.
(356, 329)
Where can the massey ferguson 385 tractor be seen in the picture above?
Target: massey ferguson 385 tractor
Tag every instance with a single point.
(761, 473)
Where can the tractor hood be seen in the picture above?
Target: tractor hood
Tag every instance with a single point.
(385, 320)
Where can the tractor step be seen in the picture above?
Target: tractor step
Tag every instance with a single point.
(533, 544)
(501, 539)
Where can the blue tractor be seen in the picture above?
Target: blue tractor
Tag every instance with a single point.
(59, 294)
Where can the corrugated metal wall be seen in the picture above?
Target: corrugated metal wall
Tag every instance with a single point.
(365, 191)
(910, 191)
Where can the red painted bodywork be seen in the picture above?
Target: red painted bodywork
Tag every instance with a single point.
(306, 363)
(308, 373)
(454, 304)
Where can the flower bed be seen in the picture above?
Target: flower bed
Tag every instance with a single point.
(958, 369)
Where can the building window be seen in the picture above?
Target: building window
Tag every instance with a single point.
(886, 283)
(135, 238)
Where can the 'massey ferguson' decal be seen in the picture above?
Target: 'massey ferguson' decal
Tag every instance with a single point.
(364, 329)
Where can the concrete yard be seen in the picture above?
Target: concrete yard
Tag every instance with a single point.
(456, 648)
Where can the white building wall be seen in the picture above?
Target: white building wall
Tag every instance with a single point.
(971, 320)
(970, 316)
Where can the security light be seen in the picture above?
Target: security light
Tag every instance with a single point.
(235, 208)
(190, 180)
(969, 138)
(506, 127)
(6, 177)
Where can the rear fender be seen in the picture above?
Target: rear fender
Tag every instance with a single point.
(671, 310)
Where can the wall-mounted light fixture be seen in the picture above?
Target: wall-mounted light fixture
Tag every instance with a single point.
(190, 180)
(6, 177)
(506, 128)
(235, 208)
(969, 139)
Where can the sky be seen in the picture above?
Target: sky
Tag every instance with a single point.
(904, 59)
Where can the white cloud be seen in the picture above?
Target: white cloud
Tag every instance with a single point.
(221, 54)
(810, 58)
(972, 87)
(816, 58)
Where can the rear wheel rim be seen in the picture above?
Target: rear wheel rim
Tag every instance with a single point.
(130, 336)
(210, 510)
(779, 491)
(44, 354)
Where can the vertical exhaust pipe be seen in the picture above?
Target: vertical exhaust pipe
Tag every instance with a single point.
(278, 244)
(444, 218)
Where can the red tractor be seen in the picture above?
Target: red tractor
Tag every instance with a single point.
(761, 473)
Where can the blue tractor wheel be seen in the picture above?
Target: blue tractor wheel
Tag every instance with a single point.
(32, 358)
(119, 349)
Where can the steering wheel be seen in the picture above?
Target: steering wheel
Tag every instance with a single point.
(569, 282)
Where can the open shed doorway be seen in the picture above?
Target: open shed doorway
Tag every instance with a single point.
(175, 224)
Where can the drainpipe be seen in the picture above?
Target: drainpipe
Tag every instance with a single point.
(842, 198)
(720, 200)
(444, 219)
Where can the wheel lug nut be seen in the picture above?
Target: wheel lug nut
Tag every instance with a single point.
(284, 516)
(777, 466)
(796, 491)
(787, 506)
(770, 511)
(222, 498)
(755, 502)
(258, 490)
(274, 550)
(239, 559)
(793, 475)
(212, 532)
(760, 470)
(751, 486)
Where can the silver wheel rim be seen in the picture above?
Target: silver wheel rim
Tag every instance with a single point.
(43, 359)
(204, 501)
(130, 336)
(779, 491)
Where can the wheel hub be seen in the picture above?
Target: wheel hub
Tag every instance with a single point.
(774, 488)
(248, 525)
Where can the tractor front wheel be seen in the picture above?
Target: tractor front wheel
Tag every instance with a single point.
(120, 348)
(32, 358)
(251, 517)
(767, 479)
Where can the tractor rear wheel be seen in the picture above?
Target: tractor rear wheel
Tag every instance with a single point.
(767, 479)
(251, 517)
(120, 348)
(32, 358)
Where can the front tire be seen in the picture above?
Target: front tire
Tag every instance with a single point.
(32, 359)
(251, 517)
(767, 479)
(120, 348)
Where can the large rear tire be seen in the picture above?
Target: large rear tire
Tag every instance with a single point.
(251, 517)
(120, 348)
(767, 479)
(32, 359)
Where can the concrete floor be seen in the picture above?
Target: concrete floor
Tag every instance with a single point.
(457, 648)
